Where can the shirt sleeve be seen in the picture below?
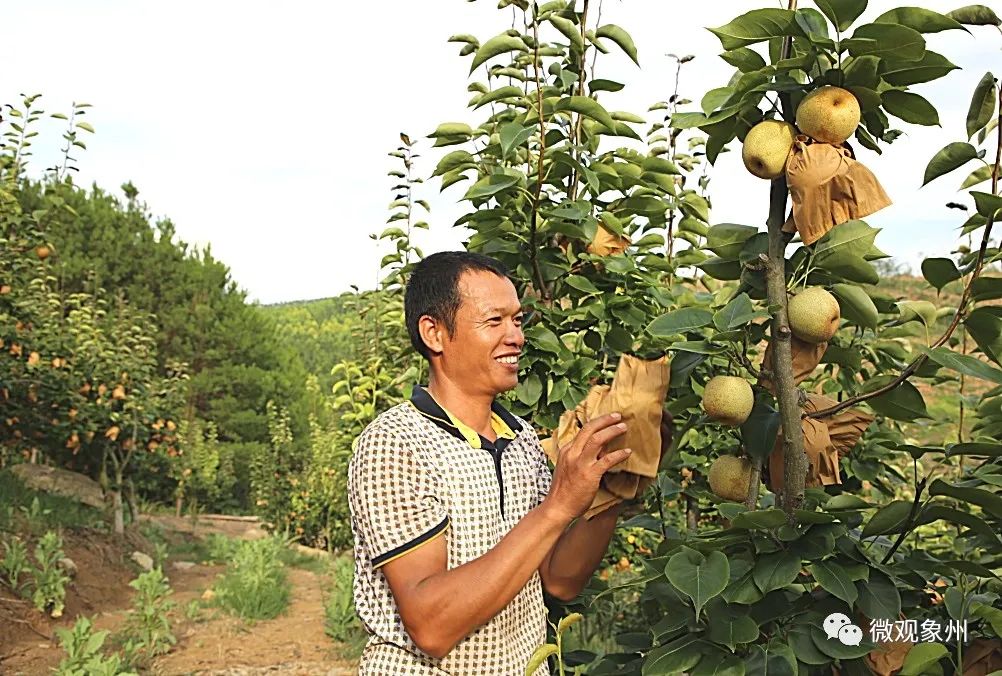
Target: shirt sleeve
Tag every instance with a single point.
(393, 496)
(543, 474)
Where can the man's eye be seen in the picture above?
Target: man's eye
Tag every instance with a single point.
(518, 319)
(494, 320)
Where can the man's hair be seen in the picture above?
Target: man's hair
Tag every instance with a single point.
(433, 290)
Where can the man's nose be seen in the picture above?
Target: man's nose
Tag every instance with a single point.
(515, 335)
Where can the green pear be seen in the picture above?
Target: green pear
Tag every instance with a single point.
(728, 400)
(766, 147)
(730, 478)
(814, 315)
(829, 114)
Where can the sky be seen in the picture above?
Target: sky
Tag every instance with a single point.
(261, 129)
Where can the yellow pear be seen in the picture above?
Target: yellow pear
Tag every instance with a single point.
(814, 315)
(730, 478)
(828, 114)
(728, 400)
(766, 147)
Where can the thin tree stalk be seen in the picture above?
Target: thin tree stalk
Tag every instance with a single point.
(794, 458)
(573, 192)
(961, 308)
(533, 247)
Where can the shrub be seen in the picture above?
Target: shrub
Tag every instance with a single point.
(49, 588)
(147, 631)
(340, 620)
(255, 586)
(15, 563)
(83, 652)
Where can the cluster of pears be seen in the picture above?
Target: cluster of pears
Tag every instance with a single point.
(828, 114)
(814, 318)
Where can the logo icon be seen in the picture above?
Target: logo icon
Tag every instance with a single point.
(838, 625)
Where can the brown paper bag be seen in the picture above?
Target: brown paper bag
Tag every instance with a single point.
(828, 187)
(638, 392)
(607, 243)
(806, 357)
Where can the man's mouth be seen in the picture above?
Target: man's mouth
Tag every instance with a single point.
(512, 359)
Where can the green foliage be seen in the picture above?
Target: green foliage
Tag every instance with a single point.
(20, 514)
(147, 631)
(340, 620)
(14, 563)
(83, 652)
(255, 586)
(48, 588)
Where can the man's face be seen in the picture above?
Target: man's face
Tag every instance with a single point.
(482, 352)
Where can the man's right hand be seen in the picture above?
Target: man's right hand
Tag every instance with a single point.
(581, 464)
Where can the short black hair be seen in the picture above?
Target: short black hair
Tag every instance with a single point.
(433, 289)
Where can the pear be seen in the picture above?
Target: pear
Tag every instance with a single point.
(766, 147)
(814, 315)
(728, 400)
(828, 114)
(730, 478)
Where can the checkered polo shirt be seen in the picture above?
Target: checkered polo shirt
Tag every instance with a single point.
(417, 473)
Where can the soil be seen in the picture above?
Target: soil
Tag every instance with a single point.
(210, 643)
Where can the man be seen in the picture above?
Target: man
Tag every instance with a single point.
(458, 524)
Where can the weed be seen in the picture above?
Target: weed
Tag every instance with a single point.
(340, 620)
(83, 652)
(254, 585)
(147, 630)
(15, 563)
(32, 511)
(49, 588)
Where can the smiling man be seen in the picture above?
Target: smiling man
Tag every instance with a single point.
(458, 524)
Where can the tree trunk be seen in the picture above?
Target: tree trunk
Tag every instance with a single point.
(116, 496)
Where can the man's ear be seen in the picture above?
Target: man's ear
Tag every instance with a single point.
(432, 332)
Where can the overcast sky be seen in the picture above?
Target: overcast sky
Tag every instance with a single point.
(262, 128)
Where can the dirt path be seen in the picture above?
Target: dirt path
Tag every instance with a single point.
(213, 642)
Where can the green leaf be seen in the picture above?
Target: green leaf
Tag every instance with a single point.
(543, 338)
(680, 321)
(719, 665)
(888, 41)
(85, 126)
(759, 431)
(966, 364)
(676, 657)
(889, 519)
(582, 284)
(511, 91)
(878, 597)
(852, 239)
(744, 59)
(975, 15)
(621, 38)
(922, 20)
(600, 85)
(986, 288)
(922, 656)
(776, 570)
(855, 305)
(952, 156)
(979, 449)
(760, 519)
(842, 12)
(448, 129)
(984, 324)
(863, 71)
(904, 402)
(987, 500)
(570, 30)
(490, 185)
(757, 25)
(499, 44)
(529, 390)
(979, 175)
(939, 272)
(512, 135)
(931, 66)
(539, 656)
(977, 524)
(699, 577)
(733, 630)
(738, 311)
(727, 239)
(834, 579)
(988, 205)
(992, 615)
(588, 107)
(982, 105)
(910, 107)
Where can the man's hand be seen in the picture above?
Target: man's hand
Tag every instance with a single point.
(581, 464)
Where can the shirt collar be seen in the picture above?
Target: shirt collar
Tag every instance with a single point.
(503, 422)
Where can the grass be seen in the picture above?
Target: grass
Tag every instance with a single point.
(340, 620)
(24, 510)
(255, 585)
